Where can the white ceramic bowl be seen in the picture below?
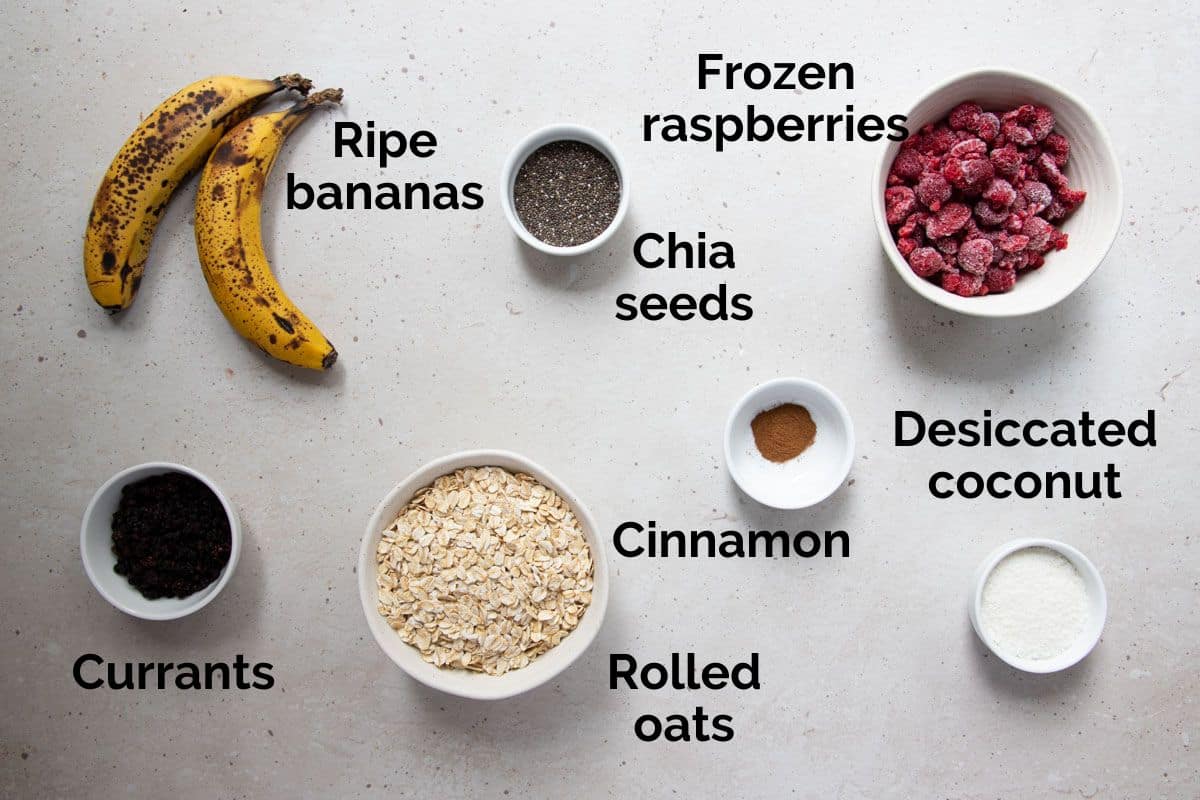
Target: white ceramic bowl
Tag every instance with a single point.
(558, 133)
(478, 686)
(95, 545)
(1097, 605)
(1093, 166)
(806, 479)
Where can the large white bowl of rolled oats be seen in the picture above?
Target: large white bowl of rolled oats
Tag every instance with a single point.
(482, 575)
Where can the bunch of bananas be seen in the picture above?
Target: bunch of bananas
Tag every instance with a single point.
(209, 116)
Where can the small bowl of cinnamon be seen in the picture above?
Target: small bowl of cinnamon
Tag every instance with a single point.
(789, 443)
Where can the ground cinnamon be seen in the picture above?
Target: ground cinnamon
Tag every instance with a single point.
(783, 432)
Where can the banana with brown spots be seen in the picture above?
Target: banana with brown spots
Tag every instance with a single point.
(229, 238)
(164, 149)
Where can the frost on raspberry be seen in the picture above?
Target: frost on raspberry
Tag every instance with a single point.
(968, 175)
(962, 284)
(1038, 194)
(1038, 231)
(985, 213)
(932, 190)
(975, 256)
(999, 280)
(1058, 147)
(1015, 133)
(945, 222)
(971, 147)
(1006, 161)
(908, 165)
(1042, 123)
(1025, 114)
(1057, 212)
(925, 261)
(1000, 193)
(1015, 243)
(941, 139)
(900, 202)
(947, 246)
(965, 116)
(987, 127)
(1014, 261)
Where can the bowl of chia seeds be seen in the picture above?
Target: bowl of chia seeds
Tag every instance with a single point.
(565, 190)
(159, 541)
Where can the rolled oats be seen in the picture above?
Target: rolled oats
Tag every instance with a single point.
(484, 570)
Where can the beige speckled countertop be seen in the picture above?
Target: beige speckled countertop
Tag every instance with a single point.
(453, 336)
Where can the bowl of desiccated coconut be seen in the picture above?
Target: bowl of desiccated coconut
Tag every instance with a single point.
(482, 575)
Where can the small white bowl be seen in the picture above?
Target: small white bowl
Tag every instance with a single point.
(1093, 166)
(479, 686)
(95, 545)
(559, 133)
(1097, 606)
(811, 476)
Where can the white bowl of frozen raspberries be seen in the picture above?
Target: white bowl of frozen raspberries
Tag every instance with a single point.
(1003, 200)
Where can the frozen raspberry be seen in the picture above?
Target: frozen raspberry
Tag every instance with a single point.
(965, 116)
(947, 246)
(969, 175)
(1035, 260)
(908, 165)
(979, 173)
(975, 256)
(1038, 194)
(952, 217)
(1000, 281)
(1015, 243)
(932, 190)
(1015, 223)
(900, 202)
(1000, 193)
(988, 215)
(987, 127)
(1056, 212)
(1024, 114)
(926, 261)
(941, 139)
(1050, 172)
(1058, 240)
(1038, 231)
(1042, 124)
(914, 225)
(1071, 198)
(1016, 134)
(1006, 161)
(1058, 147)
(906, 245)
(962, 284)
(969, 147)
(1014, 261)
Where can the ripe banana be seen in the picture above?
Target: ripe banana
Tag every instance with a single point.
(167, 146)
(229, 238)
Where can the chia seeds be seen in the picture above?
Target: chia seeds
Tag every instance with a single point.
(170, 535)
(566, 193)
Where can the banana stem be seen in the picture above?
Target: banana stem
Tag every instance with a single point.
(323, 96)
(294, 81)
(299, 111)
